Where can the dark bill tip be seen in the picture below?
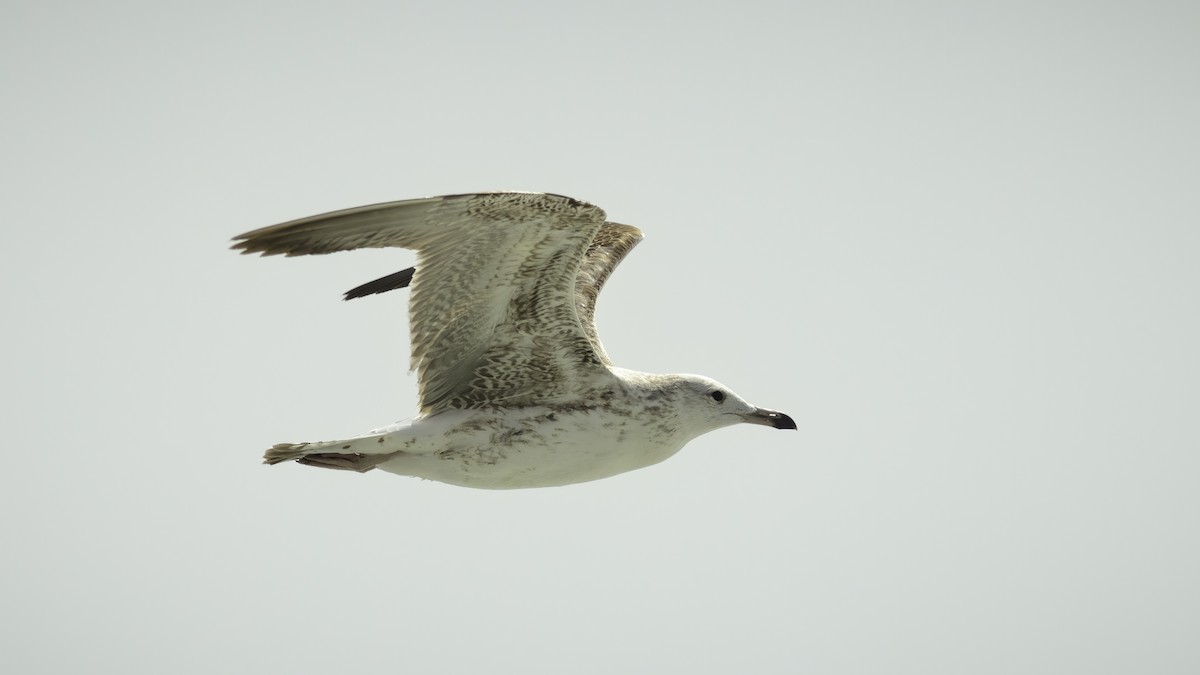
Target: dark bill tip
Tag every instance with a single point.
(770, 418)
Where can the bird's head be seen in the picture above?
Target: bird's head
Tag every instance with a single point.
(704, 404)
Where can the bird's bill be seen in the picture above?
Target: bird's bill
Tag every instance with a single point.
(770, 418)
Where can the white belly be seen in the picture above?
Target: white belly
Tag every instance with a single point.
(527, 447)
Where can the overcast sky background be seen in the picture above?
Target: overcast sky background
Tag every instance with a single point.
(958, 242)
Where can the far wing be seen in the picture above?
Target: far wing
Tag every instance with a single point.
(382, 285)
(609, 247)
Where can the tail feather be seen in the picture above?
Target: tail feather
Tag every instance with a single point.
(358, 454)
(282, 452)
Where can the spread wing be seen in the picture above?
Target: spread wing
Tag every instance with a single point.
(493, 305)
(608, 248)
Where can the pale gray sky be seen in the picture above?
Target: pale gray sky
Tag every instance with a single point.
(958, 242)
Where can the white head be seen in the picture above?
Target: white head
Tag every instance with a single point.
(702, 404)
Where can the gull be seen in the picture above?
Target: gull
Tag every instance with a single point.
(515, 389)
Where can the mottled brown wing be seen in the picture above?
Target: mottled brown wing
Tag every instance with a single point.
(493, 318)
(611, 244)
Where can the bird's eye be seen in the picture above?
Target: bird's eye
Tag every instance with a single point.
(718, 395)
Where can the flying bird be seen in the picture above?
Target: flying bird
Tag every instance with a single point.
(516, 390)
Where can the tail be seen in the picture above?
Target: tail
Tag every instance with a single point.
(355, 454)
(282, 452)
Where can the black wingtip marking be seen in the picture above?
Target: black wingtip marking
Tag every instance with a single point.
(382, 285)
